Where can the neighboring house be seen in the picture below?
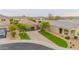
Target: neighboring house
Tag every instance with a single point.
(34, 25)
(65, 27)
(17, 17)
(4, 23)
(40, 18)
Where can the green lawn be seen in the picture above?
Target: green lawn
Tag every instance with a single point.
(58, 41)
(24, 36)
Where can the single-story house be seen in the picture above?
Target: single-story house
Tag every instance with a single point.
(3, 28)
(4, 23)
(65, 27)
(34, 25)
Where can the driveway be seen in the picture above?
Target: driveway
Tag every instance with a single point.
(40, 39)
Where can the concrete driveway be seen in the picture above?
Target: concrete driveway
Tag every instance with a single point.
(40, 39)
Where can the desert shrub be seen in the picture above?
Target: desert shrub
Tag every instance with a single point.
(75, 37)
(67, 37)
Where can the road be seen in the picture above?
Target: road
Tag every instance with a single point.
(23, 46)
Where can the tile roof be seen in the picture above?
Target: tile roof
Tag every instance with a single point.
(66, 24)
(28, 22)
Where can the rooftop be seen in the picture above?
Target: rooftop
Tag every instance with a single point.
(66, 24)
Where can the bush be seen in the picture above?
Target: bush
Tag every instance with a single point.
(39, 21)
(75, 37)
(12, 27)
(67, 37)
(32, 19)
(23, 27)
(13, 34)
(24, 35)
(11, 21)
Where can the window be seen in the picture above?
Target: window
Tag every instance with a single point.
(66, 32)
(2, 19)
(60, 30)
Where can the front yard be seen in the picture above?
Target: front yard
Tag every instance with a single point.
(58, 41)
(20, 27)
(24, 36)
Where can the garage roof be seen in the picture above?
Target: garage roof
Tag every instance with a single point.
(66, 24)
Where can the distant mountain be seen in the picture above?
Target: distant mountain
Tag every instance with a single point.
(3, 16)
(70, 17)
(20, 17)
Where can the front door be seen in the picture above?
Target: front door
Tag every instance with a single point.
(60, 30)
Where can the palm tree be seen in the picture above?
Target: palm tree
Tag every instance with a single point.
(50, 17)
(57, 17)
(44, 25)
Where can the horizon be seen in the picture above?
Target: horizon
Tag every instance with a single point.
(39, 12)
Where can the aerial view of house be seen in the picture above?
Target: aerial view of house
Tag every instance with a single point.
(39, 29)
(66, 27)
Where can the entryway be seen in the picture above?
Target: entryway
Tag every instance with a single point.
(60, 30)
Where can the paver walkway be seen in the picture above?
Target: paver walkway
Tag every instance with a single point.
(36, 36)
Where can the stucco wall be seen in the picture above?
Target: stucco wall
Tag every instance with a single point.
(54, 29)
(77, 32)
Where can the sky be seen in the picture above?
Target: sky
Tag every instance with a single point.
(39, 12)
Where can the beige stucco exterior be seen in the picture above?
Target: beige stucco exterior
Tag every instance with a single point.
(56, 30)
(77, 31)
(5, 23)
(28, 22)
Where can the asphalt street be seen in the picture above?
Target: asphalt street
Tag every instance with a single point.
(23, 46)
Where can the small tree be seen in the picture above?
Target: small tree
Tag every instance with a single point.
(13, 33)
(50, 17)
(57, 17)
(22, 27)
(11, 21)
(12, 29)
(15, 22)
(44, 25)
(32, 19)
